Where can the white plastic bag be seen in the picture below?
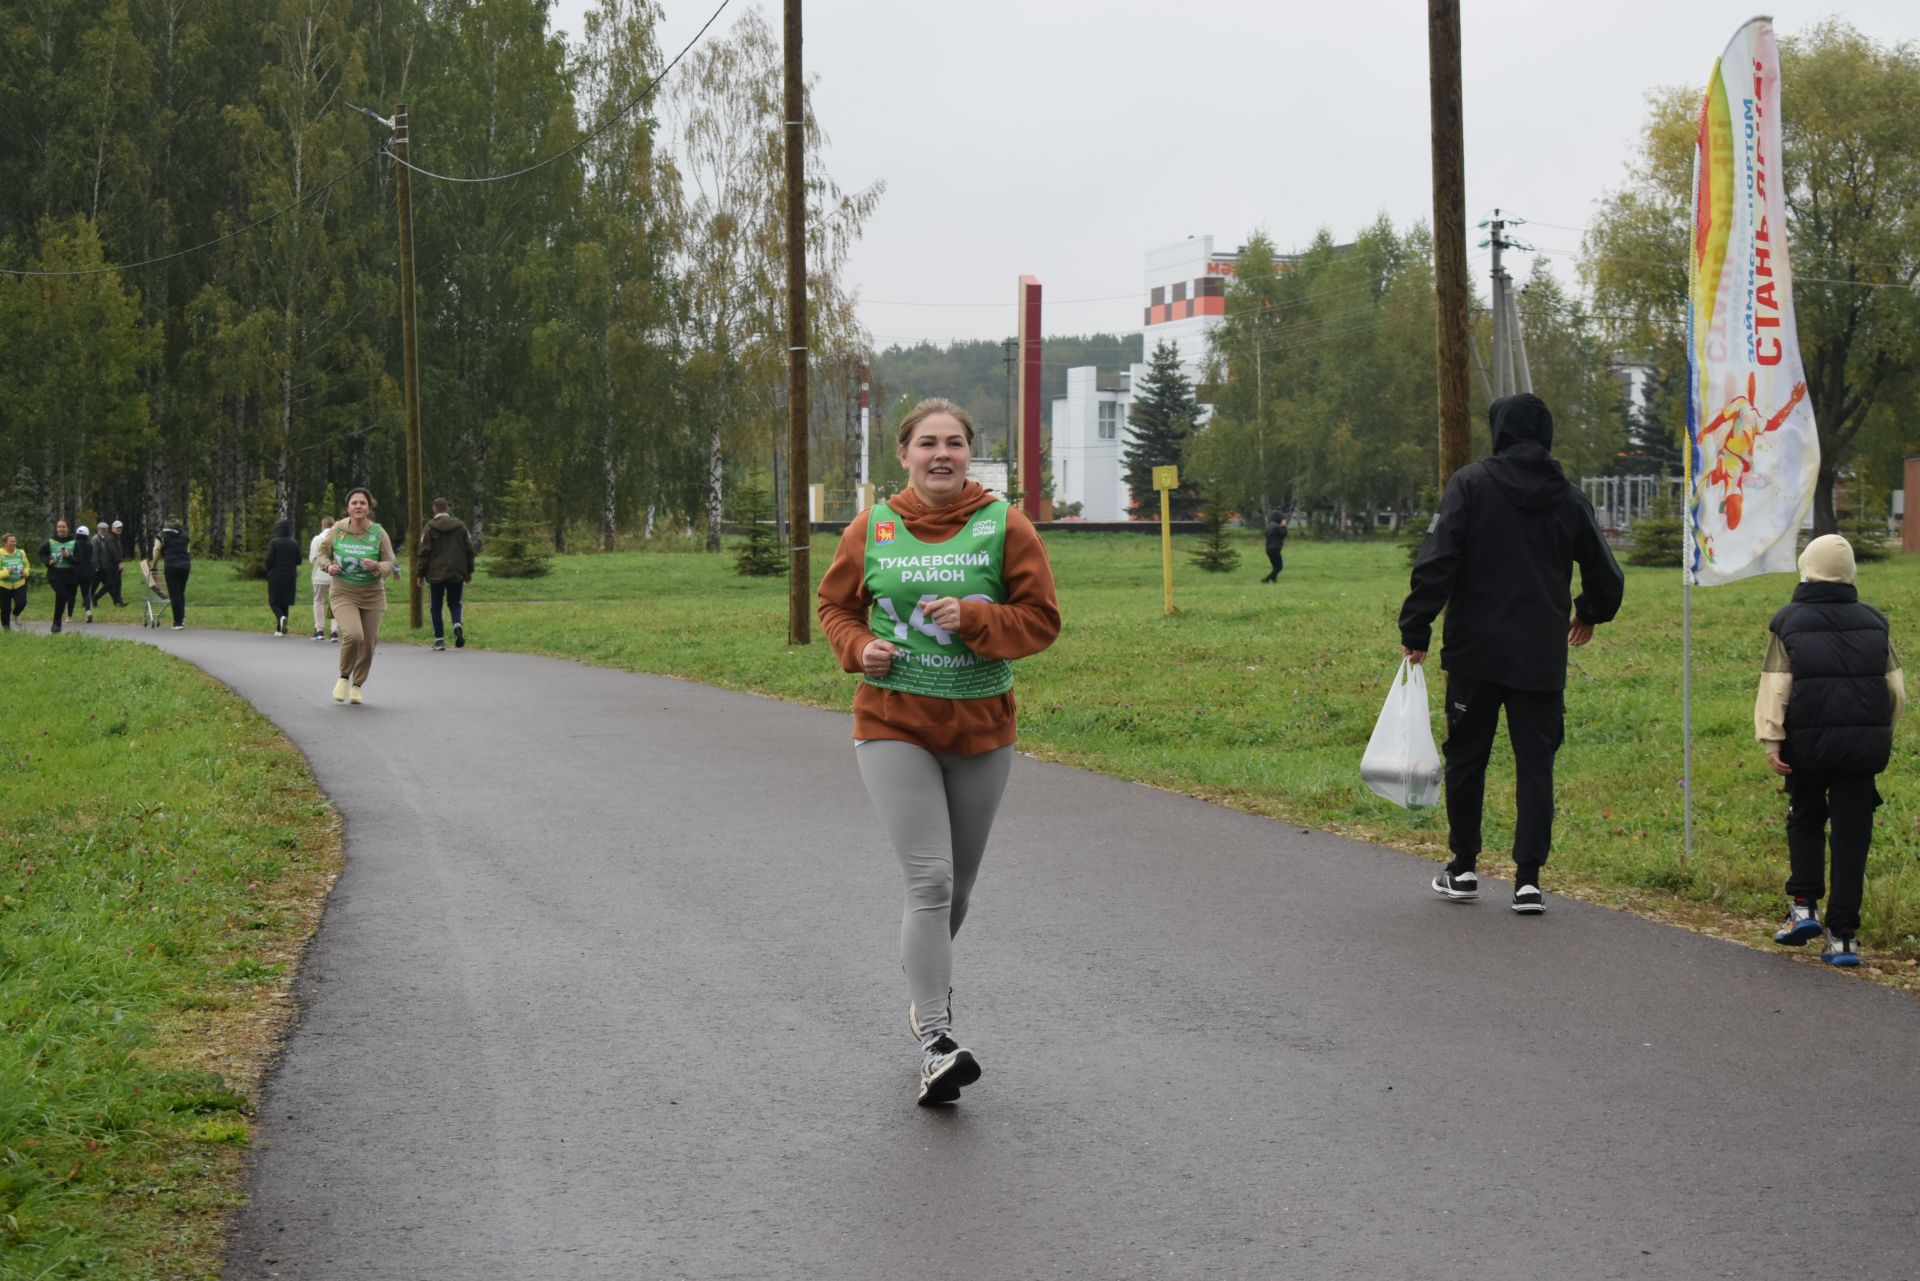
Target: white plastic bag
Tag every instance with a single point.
(1402, 763)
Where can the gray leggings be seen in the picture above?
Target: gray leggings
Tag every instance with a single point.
(937, 811)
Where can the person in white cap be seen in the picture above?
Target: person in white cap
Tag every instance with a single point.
(109, 550)
(84, 573)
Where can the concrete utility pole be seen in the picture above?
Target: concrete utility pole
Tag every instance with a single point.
(1011, 347)
(1449, 231)
(1510, 370)
(799, 522)
(410, 369)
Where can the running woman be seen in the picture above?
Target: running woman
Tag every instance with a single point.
(930, 597)
(359, 556)
(61, 555)
(14, 570)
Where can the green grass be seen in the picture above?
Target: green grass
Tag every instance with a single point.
(1262, 698)
(163, 855)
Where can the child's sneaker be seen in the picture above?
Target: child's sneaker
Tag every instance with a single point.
(1801, 926)
(1839, 951)
(945, 1067)
(1461, 887)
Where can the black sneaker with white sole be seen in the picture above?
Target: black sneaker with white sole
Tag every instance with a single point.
(1461, 887)
(1528, 900)
(459, 636)
(946, 1067)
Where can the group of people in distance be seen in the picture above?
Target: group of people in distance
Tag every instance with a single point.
(351, 558)
(84, 567)
(933, 593)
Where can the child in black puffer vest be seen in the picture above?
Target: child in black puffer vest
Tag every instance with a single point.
(1831, 691)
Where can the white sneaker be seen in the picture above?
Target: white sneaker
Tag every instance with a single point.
(340, 688)
(353, 694)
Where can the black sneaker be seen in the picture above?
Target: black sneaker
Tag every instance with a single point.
(1461, 887)
(459, 636)
(945, 1068)
(318, 634)
(1528, 900)
(439, 646)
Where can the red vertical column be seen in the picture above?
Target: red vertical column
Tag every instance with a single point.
(1029, 397)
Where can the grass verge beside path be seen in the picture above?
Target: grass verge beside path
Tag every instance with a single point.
(1262, 697)
(163, 857)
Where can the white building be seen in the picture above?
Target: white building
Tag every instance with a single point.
(1089, 438)
(1186, 300)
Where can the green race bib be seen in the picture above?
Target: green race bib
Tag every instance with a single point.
(904, 575)
(353, 551)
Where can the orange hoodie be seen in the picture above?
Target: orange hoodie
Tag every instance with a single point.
(1026, 624)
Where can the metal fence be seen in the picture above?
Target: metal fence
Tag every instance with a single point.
(1619, 501)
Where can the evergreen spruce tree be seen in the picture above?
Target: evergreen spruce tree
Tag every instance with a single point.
(1215, 554)
(521, 539)
(257, 530)
(1163, 416)
(760, 556)
(20, 512)
(1659, 536)
(329, 505)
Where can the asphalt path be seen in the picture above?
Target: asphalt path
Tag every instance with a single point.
(609, 988)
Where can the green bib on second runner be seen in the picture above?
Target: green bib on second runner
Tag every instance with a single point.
(359, 548)
(905, 575)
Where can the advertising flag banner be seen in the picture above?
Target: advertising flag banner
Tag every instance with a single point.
(1753, 451)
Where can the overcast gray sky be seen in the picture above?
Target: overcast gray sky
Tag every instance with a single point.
(1064, 138)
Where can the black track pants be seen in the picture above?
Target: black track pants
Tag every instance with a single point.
(1847, 801)
(1536, 724)
(177, 592)
(65, 588)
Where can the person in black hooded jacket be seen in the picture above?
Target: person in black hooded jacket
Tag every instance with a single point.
(283, 563)
(1499, 559)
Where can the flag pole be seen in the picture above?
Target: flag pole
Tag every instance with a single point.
(1686, 713)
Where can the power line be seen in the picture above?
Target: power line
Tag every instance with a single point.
(257, 223)
(607, 124)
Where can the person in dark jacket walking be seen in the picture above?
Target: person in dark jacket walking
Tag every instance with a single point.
(1499, 559)
(1831, 690)
(84, 571)
(174, 557)
(105, 580)
(63, 558)
(121, 544)
(1276, 543)
(444, 561)
(283, 564)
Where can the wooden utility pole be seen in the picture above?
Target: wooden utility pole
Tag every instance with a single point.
(799, 522)
(1449, 231)
(410, 369)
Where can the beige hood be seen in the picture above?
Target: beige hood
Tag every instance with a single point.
(1828, 559)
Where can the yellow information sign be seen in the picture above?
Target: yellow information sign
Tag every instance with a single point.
(1166, 480)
